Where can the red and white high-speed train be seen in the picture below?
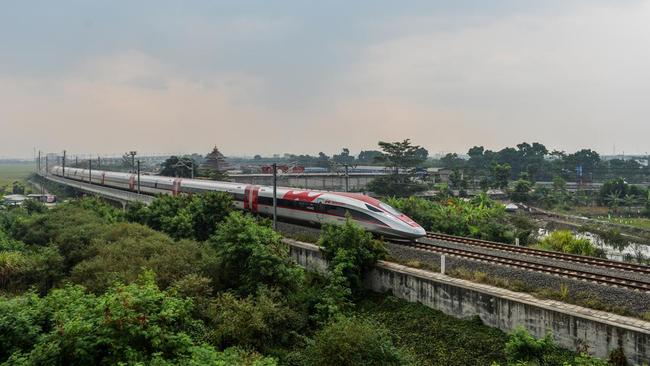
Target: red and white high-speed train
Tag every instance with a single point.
(320, 207)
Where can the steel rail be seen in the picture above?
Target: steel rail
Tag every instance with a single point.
(532, 266)
(600, 262)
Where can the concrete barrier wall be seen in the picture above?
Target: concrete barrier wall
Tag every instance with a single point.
(573, 327)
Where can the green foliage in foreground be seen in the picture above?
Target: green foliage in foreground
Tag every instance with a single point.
(351, 342)
(565, 241)
(250, 255)
(136, 323)
(208, 300)
(350, 252)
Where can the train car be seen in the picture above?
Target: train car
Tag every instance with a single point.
(319, 207)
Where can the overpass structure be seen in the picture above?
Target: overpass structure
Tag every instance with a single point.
(112, 194)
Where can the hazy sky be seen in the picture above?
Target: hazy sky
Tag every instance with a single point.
(307, 76)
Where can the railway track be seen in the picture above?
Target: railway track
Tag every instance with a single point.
(591, 261)
(550, 269)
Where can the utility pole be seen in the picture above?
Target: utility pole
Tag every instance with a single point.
(275, 198)
(133, 154)
(347, 179)
(63, 163)
(138, 176)
(38, 162)
(90, 171)
(99, 162)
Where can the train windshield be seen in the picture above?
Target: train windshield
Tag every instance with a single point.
(373, 209)
(390, 209)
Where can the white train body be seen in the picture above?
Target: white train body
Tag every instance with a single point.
(320, 207)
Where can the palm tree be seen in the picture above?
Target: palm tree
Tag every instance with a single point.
(629, 200)
(613, 200)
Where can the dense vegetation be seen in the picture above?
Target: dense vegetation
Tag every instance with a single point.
(479, 217)
(84, 284)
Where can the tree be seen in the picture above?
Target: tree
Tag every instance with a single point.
(368, 156)
(129, 324)
(351, 248)
(521, 191)
(398, 156)
(184, 217)
(501, 174)
(124, 249)
(18, 188)
(181, 167)
(455, 179)
(452, 161)
(401, 155)
(559, 184)
(344, 157)
(250, 256)
(323, 161)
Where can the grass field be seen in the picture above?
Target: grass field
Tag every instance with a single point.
(630, 221)
(10, 172)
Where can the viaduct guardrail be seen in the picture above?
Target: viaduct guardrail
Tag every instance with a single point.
(112, 194)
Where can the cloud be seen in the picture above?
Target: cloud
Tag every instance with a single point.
(263, 79)
(561, 78)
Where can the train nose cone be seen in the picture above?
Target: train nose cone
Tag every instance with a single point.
(419, 232)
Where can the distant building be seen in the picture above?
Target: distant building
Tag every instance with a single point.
(215, 162)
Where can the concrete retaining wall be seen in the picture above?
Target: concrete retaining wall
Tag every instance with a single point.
(573, 327)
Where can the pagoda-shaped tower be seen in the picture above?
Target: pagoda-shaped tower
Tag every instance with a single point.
(215, 162)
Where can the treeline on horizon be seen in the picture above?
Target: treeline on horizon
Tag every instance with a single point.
(535, 159)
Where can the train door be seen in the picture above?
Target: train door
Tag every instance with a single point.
(251, 194)
(132, 182)
(320, 210)
(255, 192)
(176, 187)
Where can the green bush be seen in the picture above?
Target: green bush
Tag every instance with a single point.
(124, 249)
(480, 217)
(71, 229)
(350, 251)
(260, 322)
(39, 267)
(523, 349)
(353, 341)
(129, 323)
(564, 241)
(20, 323)
(184, 217)
(250, 256)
